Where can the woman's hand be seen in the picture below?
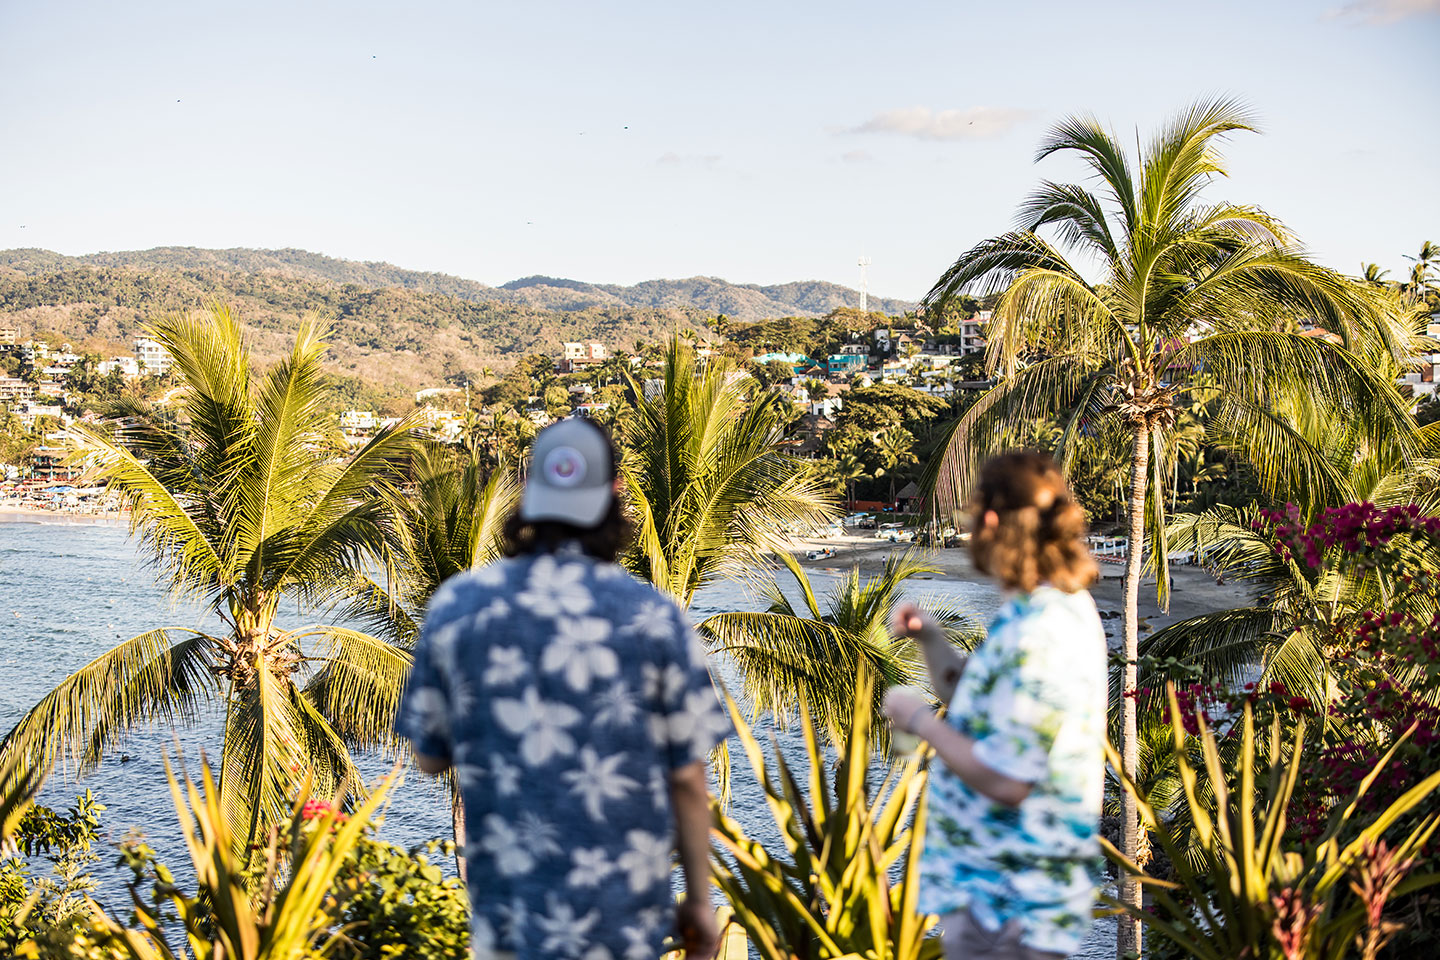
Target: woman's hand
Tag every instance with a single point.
(909, 620)
(905, 707)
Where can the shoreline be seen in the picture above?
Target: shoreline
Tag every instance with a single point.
(13, 514)
(1193, 592)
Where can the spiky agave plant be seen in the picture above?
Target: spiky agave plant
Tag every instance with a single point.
(830, 893)
(240, 496)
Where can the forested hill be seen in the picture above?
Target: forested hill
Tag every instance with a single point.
(390, 330)
(709, 295)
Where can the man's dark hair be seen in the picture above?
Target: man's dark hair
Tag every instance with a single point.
(604, 541)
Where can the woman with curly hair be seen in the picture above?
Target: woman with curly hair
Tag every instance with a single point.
(1012, 857)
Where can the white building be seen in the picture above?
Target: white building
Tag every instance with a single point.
(354, 421)
(129, 367)
(1424, 381)
(972, 333)
(152, 358)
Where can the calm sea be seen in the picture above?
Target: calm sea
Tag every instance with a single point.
(67, 593)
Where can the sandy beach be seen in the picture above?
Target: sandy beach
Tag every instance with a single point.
(1193, 592)
(12, 514)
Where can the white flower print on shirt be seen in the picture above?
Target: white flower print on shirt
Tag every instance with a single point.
(490, 575)
(659, 789)
(516, 847)
(637, 937)
(482, 935)
(597, 780)
(655, 619)
(615, 706)
(506, 774)
(554, 589)
(431, 712)
(507, 664)
(513, 920)
(590, 867)
(699, 724)
(663, 683)
(469, 774)
(442, 645)
(565, 933)
(646, 862)
(579, 651)
(540, 724)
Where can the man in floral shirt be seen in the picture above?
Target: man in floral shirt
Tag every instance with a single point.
(575, 706)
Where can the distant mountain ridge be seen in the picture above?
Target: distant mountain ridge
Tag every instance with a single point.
(708, 295)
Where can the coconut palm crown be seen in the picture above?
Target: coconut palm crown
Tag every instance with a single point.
(708, 483)
(240, 494)
(1183, 287)
(814, 654)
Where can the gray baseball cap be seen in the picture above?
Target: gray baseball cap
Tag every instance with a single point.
(571, 478)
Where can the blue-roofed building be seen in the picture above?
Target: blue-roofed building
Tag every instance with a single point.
(797, 361)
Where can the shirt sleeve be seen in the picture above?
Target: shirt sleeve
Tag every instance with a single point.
(1021, 716)
(424, 714)
(686, 719)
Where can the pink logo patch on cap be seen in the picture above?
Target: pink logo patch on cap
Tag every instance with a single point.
(564, 467)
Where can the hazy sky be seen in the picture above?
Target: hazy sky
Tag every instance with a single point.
(617, 142)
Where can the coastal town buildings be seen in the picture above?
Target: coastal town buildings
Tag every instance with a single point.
(152, 357)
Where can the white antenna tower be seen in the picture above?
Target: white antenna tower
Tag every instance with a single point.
(863, 263)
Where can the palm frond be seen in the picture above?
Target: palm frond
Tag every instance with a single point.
(1038, 390)
(148, 678)
(357, 689)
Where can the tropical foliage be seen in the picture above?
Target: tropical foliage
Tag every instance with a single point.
(831, 893)
(240, 497)
(1185, 286)
(816, 654)
(297, 911)
(708, 483)
(1240, 891)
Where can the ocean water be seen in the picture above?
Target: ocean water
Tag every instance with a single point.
(69, 592)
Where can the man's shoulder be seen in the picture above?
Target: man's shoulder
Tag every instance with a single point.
(472, 588)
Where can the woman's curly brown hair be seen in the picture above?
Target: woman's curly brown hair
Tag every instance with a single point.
(1040, 533)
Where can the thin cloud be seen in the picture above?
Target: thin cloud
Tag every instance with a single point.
(856, 156)
(973, 123)
(672, 159)
(1382, 12)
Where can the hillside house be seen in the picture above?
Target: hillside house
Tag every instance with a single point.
(152, 357)
(129, 367)
(14, 390)
(972, 333)
(580, 356)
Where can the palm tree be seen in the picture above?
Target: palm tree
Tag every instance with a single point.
(1373, 275)
(1286, 631)
(710, 488)
(454, 522)
(239, 500)
(1184, 286)
(814, 655)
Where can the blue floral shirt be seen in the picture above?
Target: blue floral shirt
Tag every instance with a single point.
(564, 692)
(1033, 697)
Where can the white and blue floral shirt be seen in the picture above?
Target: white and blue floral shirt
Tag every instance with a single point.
(564, 692)
(1033, 697)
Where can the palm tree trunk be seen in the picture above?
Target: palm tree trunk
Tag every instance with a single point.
(457, 823)
(1128, 938)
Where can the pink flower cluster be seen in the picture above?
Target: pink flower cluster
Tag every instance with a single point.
(318, 809)
(1354, 528)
